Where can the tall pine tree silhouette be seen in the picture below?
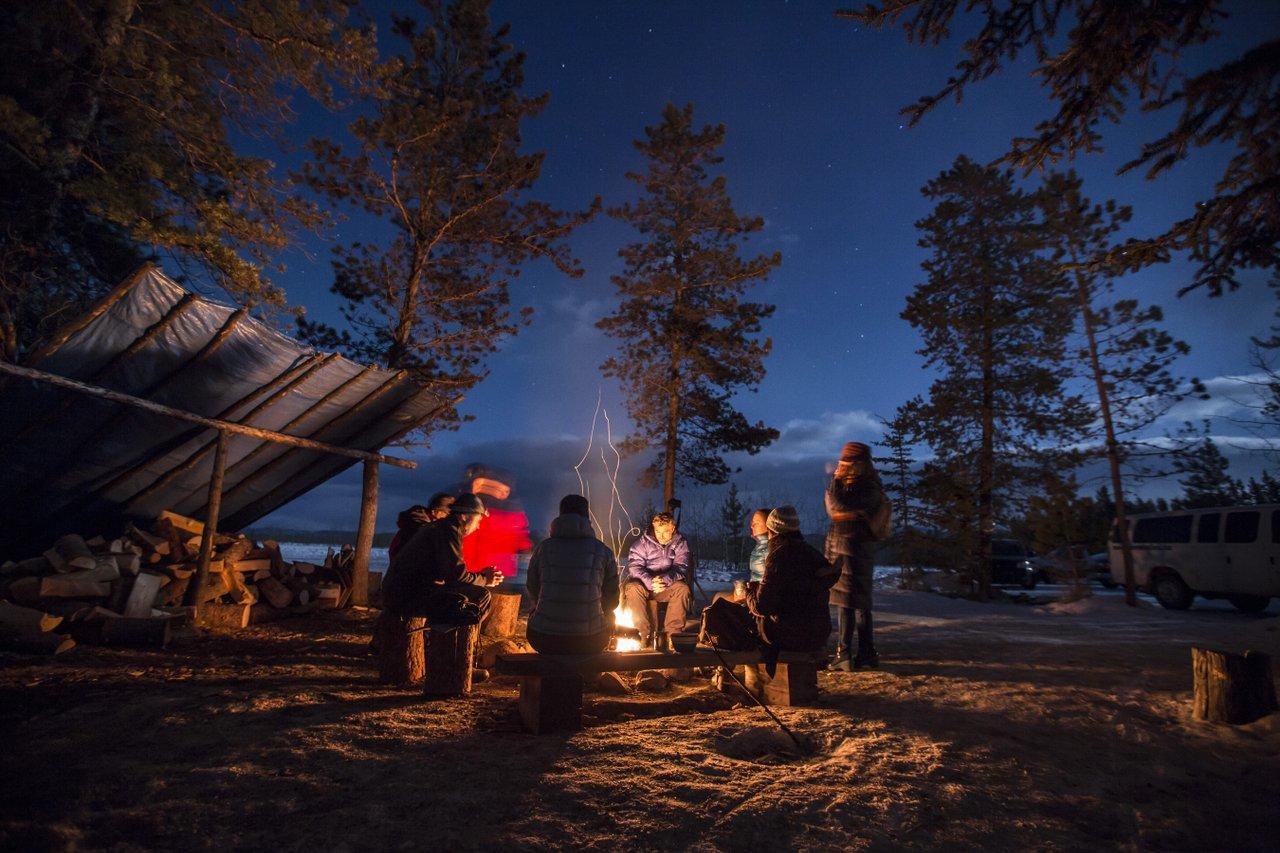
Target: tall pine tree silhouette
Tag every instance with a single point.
(994, 314)
(1125, 354)
(688, 337)
(439, 163)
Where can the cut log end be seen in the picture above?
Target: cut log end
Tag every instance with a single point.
(1231, 688)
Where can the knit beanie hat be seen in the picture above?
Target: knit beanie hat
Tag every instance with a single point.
(783, 519)
(853, 451)
(575, 505)
(468, 505)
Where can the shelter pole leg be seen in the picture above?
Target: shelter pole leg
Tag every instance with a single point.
(364, 535)
(210, 521)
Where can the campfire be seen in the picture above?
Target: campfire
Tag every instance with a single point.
(625, 636)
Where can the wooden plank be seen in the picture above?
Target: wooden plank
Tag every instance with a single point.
(181, 522)
(532, 663)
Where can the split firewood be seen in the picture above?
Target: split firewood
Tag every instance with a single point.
(215, 587)
(239, 593)
(143, 595)
(26, 620)
(255, 566)
(129, 564)
(304, 568)
(97, 543)
(70, 553)
(276, 593)
(327, 594)
(179, 522)
(149, 542)
(272, 549)
(104, 570)
(222, 616)
(261, 575)
(60, 587)
(236, 551)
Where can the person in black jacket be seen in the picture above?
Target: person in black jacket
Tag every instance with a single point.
(428, 577)
(790, 602)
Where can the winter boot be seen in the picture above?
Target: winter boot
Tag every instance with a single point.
(866, 660)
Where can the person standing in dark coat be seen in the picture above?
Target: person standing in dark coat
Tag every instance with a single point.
(573, 581)
(852, 500)
(428, 576)
(416, 517)
(790, 601)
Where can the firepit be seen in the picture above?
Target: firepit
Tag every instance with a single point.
(625, 636)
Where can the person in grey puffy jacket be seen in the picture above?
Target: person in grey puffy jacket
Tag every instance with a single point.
(658, 569)
(573, 582)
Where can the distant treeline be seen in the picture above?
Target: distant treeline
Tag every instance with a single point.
(315, 537)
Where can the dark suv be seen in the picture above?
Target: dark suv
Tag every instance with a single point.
(1012, 563)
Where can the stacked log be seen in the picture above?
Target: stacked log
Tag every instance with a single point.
(139, 583)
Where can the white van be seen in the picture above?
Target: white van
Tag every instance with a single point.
(1220, 552)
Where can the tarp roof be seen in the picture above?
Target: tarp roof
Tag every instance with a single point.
(74, 463)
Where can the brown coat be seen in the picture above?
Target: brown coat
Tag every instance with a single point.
(790, 603)
(849, 542)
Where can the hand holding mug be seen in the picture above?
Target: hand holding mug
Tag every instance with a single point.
(659, 584)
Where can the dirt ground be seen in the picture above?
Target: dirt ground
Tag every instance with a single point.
(988, 726)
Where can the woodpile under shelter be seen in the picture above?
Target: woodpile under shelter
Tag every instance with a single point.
(138, 405)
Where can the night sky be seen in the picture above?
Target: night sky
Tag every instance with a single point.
(817, 147)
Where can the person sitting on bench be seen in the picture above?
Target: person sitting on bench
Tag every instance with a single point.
(657, 569)
(790, 602)
(573, 581)
(428, 576)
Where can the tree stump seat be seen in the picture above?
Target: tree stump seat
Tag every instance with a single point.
(1231, 687)
(411, 650)
(551, 685)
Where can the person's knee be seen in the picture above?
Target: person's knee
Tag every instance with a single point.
(680, 591)
(635, 591)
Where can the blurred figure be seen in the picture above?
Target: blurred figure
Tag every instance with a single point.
(790, 601)
(573, 582)
(853, 497)
(504, 533)
(760, 533)
(428, 577)
(408, 522)
(657, 570)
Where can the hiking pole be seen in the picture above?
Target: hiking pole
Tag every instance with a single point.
(755, 699)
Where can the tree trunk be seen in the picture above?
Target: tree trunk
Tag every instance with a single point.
(364, 534)
(504, 612)
(1231, 688)
(672, 443)
(449, 661)
(401, 649)
(1113, 446)
(986, 455)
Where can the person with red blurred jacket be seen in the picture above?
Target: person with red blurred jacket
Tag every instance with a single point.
(504, 533)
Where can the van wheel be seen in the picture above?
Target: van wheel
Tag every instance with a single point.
(1172, 593)
(1249, 603)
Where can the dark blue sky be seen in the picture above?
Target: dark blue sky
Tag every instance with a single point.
(817, 147)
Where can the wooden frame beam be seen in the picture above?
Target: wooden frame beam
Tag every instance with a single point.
(99, 308)
(209, 423)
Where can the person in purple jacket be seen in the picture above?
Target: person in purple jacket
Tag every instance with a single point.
(658, 570)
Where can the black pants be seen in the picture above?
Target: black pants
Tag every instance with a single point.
(859, 620)
(440, 601)
(677, 596)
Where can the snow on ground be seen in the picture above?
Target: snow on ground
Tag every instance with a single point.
(991, 726)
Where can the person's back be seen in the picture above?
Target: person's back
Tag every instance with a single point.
(791, 601)
(574, 585)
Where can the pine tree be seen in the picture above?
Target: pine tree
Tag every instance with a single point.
(1205, 481)
(994, 315)
(1094, 57)
(121, 128)
(688, 338)
(899, 465)
(1125, 355)
(439, 163)
(733, 514)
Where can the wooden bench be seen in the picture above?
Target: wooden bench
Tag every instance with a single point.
(551, 685)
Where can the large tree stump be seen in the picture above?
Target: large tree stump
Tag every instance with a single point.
(504, 611)
(1230, 687)
(449, 661)
(401, 648)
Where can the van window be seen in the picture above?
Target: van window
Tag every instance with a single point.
(1169, 528)
(1207, 527)
(1241, 527)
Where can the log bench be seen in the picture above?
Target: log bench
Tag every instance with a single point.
(551, 685)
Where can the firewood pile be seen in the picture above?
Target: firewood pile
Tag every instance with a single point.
(131, 590)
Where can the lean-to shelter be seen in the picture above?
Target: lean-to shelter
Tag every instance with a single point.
(70, 461)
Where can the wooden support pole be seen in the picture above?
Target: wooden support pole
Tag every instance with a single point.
(210, 521)
(364, 534)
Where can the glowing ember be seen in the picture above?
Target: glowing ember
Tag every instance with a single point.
(622, 619)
